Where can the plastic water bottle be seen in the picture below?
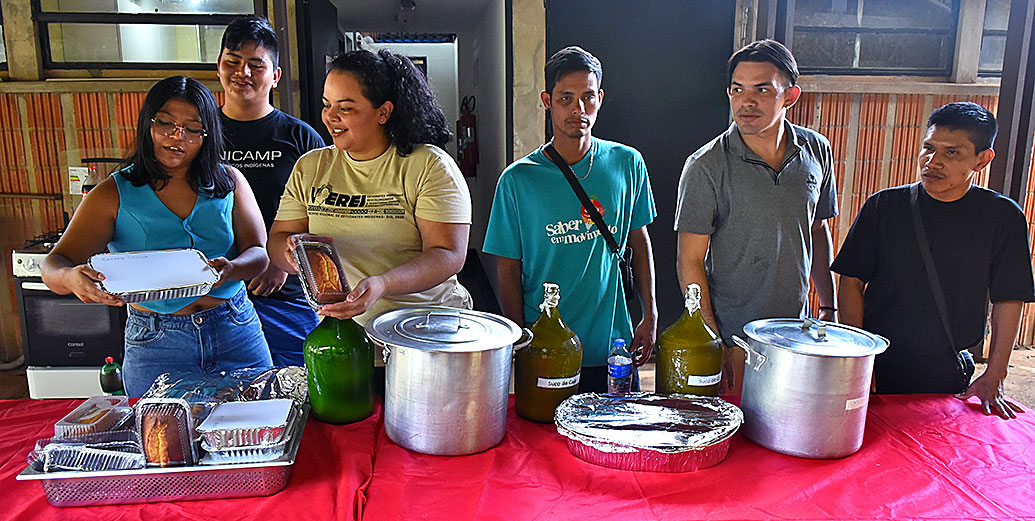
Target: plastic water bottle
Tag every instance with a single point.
(111, 377)
(619, 369)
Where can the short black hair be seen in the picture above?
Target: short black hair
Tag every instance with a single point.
(979, 124)
(765, 51)
(248, 29)
(568, 60)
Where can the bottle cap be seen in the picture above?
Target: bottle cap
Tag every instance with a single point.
(620, 342)
(109, 359)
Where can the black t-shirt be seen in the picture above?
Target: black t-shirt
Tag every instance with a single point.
(265, 151)
(980, 248)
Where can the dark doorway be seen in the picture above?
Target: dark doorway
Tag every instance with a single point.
(665, 79)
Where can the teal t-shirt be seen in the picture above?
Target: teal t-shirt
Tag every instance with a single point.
(536, 217)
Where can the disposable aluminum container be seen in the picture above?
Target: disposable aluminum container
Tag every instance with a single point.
(96, 414)
(152, 485)
(304, 251)
(142, 276)
(166, 428)
(245, 424)
(250, 454)
(112, 450)
(641, 431)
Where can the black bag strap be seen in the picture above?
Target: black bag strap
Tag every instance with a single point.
(598, 219)
(925, 253)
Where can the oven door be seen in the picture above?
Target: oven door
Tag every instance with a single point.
(62, 331)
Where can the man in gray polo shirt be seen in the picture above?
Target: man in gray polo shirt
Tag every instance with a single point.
(753, 203)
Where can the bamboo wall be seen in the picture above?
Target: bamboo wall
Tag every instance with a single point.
(876, 139)
(41, 135)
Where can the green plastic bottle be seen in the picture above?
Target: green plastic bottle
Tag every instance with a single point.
(339, 360)
(689, 353)
(111, 377)
(547, 371)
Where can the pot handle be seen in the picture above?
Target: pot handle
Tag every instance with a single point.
(524, 339)
(385, 350)
(760, 359)
(821, 330)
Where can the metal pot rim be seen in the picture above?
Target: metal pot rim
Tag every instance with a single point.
(442, 329)
(815, 337)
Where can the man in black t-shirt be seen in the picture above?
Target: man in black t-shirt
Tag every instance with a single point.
(978, 241)
(264, 143)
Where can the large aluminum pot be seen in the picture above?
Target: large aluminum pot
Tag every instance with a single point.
(807, 385)
(447, 377)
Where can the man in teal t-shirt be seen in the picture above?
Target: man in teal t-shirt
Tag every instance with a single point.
(540, 232)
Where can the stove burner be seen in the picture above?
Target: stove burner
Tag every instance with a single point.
(45, 240)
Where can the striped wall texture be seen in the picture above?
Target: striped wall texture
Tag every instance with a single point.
(41, 134)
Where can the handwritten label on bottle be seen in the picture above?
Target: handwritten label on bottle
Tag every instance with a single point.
(703, 381)
(559, 383)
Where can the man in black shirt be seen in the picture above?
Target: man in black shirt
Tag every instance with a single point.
(978, 243)
(264, 143)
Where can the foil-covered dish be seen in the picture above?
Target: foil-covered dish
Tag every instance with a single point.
(647, 432)
(244, 424)
(141, 276)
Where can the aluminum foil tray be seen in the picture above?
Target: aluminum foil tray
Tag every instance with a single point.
(245, 424)
(110, 450)
(142, 276)
(250, 454)
(646, 432)
(152, 485)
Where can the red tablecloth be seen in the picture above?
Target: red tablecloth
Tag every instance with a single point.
(924, 457)
(334, 462)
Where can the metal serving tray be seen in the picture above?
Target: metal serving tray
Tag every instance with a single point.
(152, 485)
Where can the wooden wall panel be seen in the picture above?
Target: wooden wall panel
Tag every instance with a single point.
(93, 125)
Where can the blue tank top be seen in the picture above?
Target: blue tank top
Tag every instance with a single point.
(145, 223)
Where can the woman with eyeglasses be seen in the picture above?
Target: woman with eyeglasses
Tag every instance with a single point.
(395, 203)
(173, 192)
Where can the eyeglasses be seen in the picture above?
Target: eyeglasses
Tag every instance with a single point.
(168, 128)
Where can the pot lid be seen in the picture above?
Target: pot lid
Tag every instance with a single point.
(432, 328)
(815, 337)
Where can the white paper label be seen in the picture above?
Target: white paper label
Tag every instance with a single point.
(855, 403)
(76, 176)
(559, 383)
(704, 381)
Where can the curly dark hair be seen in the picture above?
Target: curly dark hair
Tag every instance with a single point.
(206, 173)
(416, 118)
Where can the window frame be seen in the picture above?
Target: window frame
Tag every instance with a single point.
(950, 32)
(43, 19)
(3, 64)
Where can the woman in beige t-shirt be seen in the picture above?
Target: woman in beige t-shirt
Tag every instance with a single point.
(395, 203)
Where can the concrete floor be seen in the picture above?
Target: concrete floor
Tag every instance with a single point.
(1020, 384)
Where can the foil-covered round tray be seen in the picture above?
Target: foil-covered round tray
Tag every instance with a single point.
(642, 431)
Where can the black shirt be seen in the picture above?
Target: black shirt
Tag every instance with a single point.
(265, 151)
(980, 248)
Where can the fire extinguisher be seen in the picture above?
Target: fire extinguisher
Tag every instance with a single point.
(467, 138)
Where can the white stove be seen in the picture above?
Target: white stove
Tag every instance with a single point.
(64, 339)
(26, 261)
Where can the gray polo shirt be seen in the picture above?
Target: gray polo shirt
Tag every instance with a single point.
(759, 221)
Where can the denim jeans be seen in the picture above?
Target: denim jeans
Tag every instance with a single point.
(285, 323)
(223, 338)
